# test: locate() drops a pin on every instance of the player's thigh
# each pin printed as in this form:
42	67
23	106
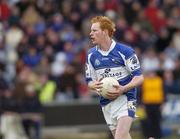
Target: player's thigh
123	127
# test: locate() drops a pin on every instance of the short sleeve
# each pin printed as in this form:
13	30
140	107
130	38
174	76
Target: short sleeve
89	69
133	65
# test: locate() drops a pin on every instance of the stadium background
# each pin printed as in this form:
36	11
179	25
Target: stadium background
43	44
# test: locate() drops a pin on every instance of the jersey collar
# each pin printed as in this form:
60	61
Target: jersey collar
105	53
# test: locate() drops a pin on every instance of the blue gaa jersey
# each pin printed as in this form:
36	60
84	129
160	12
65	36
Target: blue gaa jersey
120	62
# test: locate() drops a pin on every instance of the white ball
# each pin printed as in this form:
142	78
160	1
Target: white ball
107	85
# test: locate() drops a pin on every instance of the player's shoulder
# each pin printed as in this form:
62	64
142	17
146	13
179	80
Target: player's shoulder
124	49
92	50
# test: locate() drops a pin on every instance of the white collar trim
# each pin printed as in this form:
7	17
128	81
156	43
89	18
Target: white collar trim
105	53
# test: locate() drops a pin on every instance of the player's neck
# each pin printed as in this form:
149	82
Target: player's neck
106	44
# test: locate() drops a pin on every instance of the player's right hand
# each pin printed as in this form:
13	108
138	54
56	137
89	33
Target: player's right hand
95	86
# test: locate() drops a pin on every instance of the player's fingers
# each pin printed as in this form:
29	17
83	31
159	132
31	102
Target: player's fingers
99	83
99	80
98	91
99	87
116	86
112	94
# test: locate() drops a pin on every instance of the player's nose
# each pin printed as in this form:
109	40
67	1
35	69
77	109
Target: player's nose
90	34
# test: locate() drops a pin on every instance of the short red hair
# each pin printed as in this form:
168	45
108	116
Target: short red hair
105	23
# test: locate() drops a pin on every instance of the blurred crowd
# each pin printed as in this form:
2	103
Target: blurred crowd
43	45
44	42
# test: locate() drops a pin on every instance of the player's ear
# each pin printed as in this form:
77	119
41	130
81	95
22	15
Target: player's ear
106	32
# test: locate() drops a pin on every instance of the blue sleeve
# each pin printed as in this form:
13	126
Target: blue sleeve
89	69
132	62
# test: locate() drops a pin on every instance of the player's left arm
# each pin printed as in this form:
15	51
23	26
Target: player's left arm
133	66
94	84
135	82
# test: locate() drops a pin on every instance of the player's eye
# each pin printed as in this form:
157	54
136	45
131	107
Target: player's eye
94	30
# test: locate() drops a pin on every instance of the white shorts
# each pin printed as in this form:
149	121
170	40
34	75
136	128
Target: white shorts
118	108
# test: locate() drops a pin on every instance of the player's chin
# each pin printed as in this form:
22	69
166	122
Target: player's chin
94	42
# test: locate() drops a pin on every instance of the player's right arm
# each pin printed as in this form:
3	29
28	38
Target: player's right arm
95	86
93	83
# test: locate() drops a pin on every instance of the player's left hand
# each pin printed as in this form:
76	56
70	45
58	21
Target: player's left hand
119	89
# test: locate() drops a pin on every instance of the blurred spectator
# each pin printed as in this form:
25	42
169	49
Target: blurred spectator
168	5
67	34
22	5
169	83
84	9
40	26
131	9
57	22
150	60
43	66
100	7
111	5
122	26
144	23
2	56
46	89
30	16
171	52
177	75
11	122
3	85
32	58
163	40
14	19
69	51
68	85
155	15
145	41
66	8
13	36
176	40
174	17
40	43
166	63
20	83
32	113
152	98
54	40
59	64
4	10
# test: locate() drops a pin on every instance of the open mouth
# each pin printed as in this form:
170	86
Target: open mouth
92	39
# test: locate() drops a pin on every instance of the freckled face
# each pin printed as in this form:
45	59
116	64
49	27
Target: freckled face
96	33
